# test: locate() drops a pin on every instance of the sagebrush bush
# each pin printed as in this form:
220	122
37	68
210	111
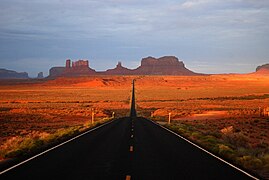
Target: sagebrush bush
225	151
250	162
237	139
23	145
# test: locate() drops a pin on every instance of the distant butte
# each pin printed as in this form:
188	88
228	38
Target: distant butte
263	69
78	68
9	74
119	70
167	65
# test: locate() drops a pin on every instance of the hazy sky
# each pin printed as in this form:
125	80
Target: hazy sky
210	36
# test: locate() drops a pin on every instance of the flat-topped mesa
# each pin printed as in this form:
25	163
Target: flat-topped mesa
118	70
167	65
78	68
55	72
9	74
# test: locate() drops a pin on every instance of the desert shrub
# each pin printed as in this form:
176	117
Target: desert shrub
250	162
265	160
237	139
65	132
23	145
195	135
213	133
225	151
241	151
20	145
210	140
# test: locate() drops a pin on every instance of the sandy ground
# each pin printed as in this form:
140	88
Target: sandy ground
46	105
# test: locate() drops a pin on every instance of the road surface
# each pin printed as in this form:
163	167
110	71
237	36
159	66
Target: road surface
127	147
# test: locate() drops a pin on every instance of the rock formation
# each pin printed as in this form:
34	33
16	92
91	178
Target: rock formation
40	75
56	72
263	68
118	70
9	74
78	68
167	65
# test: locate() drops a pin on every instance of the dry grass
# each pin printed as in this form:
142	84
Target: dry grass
32	142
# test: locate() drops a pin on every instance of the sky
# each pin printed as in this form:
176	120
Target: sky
209	36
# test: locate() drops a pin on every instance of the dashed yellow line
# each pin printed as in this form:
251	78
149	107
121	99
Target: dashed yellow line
132	136
131	148
128	177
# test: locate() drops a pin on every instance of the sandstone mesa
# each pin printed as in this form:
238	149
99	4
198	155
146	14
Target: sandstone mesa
167	65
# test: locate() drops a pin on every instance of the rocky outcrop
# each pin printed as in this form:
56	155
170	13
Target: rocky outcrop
264	67
262	70
9	74
78	68
40	75
56	72
72	69
167	65
119	70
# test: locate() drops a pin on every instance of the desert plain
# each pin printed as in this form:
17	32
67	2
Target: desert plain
219	106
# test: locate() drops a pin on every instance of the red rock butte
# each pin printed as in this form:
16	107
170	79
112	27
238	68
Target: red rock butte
263	69
78	68
167	65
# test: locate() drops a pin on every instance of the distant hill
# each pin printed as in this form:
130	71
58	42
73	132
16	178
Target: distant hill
263	69
167	65
9	74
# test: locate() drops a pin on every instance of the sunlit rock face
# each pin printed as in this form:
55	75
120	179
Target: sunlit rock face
263	68
78	68
167	65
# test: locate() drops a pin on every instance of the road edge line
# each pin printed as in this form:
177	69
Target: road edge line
206	151
54	147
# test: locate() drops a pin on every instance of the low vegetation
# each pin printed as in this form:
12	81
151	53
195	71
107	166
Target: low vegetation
18	146
229	143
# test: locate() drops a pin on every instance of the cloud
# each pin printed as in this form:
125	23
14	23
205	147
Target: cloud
197	3
107	30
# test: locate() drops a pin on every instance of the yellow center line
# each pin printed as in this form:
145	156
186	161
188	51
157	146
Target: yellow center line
128	177
131	148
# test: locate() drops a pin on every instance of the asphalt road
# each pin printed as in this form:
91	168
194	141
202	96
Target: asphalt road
133	147
159	154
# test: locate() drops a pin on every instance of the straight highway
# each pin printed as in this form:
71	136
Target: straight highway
126	148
